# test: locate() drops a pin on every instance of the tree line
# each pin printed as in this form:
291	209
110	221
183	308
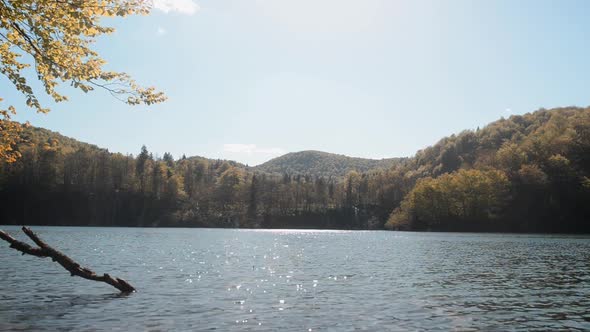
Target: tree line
59	181
526	173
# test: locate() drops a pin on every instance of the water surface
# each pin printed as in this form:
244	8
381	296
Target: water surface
294	280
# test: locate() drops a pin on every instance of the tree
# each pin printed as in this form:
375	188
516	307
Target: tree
9	135
449	159
532	175
352	183
510	157
467	196
57	38
168	159
253	199
158	179
140	167
228	185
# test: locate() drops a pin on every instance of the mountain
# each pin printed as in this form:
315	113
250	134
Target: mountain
323	164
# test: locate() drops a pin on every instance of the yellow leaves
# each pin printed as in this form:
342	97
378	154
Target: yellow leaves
9	136
58	35
558	161
532	175
465	194
51	145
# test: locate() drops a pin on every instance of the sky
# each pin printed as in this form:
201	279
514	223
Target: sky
249	80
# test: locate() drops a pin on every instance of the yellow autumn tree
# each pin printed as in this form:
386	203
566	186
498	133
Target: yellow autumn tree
53	39
463	196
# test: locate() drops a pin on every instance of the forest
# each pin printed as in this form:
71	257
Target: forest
323	164
526	173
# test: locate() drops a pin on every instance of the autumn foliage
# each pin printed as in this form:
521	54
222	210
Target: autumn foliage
53	39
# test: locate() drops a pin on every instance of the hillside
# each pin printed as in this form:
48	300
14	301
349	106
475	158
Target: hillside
526	173
323	164
314	163
529	172
40	136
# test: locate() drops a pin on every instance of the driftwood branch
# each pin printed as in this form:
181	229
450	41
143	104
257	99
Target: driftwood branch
44	250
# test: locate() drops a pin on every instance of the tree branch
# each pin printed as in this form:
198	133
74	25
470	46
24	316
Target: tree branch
67	263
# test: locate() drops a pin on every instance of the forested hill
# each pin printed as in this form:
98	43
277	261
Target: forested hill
529	172
526	173
317	163
311	163
40	137
35	136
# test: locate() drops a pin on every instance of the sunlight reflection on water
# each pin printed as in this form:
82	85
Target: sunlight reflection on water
297	280
298	231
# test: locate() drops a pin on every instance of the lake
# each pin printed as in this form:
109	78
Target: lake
299	280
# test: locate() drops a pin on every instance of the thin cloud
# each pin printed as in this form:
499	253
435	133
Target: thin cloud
251	149
187	7
161	31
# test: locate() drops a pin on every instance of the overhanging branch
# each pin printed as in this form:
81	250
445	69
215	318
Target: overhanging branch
44	250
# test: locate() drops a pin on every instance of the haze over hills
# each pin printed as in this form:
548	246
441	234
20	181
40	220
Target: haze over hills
324	164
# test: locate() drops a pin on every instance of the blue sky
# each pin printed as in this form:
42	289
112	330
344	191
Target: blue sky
249	80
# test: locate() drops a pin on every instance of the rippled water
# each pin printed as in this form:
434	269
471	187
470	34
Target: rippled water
241	280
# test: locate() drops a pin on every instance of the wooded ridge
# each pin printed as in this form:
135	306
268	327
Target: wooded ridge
529	173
